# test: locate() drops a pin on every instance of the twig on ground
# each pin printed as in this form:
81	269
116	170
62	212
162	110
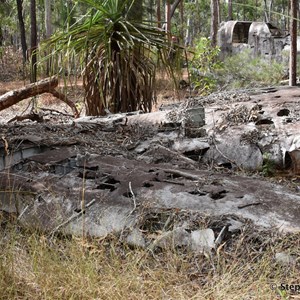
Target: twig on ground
132	211
178	156
182	174
173	182
23	212
249	204
55	111
73	217
221	236
132	197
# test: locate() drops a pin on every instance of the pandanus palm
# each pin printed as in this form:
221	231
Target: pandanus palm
118	51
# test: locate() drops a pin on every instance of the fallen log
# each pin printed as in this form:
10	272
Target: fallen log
15	96
47	85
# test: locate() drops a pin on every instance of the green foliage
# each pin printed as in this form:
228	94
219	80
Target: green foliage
244	71
116	51
203	66
199	11
268	167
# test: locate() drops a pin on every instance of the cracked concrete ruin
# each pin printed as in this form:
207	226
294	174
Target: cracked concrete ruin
262	39
113	174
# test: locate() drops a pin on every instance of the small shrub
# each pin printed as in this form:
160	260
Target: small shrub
203	66
244	71
268	167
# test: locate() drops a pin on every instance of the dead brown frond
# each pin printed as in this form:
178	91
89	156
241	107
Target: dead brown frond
125	84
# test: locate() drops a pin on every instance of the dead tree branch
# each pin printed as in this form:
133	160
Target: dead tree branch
65	99
30	90
47	85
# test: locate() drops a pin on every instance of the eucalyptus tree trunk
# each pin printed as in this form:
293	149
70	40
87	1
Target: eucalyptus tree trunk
22	29
214	22
174	6
188	35
189	27
181	19
293	52
48	23
270	10
285	19
158	14
266	16
48	29
169	11
168	16
230	15
219	12
33	41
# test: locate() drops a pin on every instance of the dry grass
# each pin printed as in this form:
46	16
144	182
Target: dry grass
33	266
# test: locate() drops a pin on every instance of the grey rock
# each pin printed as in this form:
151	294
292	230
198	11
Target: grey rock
176	238
142	147
247	157
202	240
187	145
285	259
136	239
235	226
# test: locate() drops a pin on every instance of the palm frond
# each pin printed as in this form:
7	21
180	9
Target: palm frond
119	73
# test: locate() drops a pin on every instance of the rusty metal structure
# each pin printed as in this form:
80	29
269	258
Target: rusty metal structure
263	39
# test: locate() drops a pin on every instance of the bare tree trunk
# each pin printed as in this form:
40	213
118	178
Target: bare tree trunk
266	17
214	22
230	16
33	39
158	13
270	10
283	14
48	29
181	20
48	22
168	16
187	39
173	7
22	29
293	52
256	10
219	12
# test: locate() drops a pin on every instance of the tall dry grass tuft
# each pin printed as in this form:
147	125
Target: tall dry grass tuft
33	266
